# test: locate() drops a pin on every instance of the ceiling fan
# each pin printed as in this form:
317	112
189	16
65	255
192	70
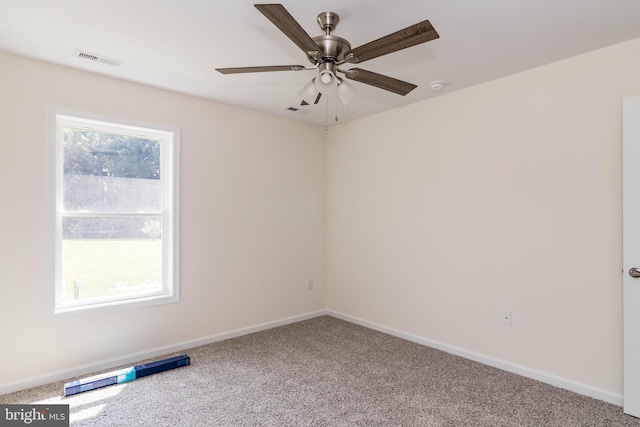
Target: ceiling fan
328	52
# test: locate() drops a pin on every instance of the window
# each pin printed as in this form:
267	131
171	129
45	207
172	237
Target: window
115	226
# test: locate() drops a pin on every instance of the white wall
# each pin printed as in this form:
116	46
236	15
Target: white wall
438	215
506	195
252	220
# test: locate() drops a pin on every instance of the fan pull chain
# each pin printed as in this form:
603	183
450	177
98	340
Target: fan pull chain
326	127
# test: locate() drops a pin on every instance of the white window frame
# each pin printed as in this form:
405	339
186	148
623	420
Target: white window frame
169	210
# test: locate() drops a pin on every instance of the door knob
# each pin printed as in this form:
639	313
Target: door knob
634	272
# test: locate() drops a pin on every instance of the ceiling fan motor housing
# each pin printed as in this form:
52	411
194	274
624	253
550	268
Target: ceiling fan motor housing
332	48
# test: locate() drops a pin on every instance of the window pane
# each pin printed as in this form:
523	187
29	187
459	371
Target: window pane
105	172
111	257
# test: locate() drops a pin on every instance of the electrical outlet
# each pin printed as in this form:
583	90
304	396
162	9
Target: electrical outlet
506	317
310	285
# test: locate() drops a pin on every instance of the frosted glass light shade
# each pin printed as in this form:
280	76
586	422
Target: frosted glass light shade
346	92
309	92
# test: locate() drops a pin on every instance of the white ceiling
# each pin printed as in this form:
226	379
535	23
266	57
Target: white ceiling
176	44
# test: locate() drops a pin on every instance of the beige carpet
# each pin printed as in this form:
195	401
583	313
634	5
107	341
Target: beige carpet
328	372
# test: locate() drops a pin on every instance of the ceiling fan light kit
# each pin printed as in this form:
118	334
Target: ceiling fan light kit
326	77
328	52
327	81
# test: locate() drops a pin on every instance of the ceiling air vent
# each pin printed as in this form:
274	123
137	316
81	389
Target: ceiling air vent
298	110
97	58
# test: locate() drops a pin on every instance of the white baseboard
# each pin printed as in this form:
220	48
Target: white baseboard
544	377
147	354
554	380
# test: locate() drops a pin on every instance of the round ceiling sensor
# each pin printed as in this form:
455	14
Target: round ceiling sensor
437	84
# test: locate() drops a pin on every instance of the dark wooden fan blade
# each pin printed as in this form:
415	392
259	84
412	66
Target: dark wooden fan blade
421	32
380	81
238	70
282	19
